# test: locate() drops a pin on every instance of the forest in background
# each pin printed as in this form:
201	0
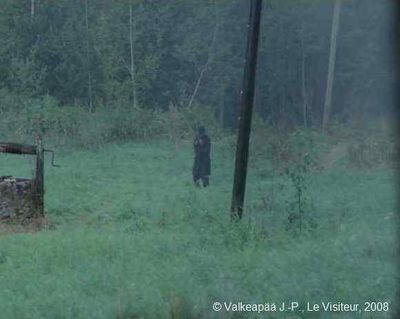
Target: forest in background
152	56
116	87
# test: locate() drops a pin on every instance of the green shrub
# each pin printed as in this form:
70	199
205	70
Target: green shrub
366	150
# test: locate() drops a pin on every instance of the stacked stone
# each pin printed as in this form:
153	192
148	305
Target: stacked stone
16	200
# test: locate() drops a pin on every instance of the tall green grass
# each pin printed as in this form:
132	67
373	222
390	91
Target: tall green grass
65	126
130	236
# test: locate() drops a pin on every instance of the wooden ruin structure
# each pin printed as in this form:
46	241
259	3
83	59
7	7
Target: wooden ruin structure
22	199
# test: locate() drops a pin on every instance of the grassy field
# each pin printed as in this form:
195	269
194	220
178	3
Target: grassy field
130	237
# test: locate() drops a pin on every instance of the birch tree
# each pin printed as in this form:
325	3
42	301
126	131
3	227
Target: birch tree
205	66
303	78
331	67
88	60
32	9
132	66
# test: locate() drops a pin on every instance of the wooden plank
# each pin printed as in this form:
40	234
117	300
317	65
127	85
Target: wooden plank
17	148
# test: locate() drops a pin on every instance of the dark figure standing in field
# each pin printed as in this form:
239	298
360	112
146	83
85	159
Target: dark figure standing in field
202	162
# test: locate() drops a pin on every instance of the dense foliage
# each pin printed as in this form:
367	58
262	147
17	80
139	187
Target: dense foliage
117	87
151	54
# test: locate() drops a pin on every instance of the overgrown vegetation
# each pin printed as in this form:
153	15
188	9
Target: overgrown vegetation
78	126
129	236
117	89
123	54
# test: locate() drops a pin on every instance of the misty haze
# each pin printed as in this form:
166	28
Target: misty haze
199	159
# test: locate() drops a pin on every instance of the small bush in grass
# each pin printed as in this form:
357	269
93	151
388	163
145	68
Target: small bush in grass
300	206
372	150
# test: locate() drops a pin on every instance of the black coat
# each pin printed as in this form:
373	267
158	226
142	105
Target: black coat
202	161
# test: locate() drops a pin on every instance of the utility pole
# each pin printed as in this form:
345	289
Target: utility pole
246	108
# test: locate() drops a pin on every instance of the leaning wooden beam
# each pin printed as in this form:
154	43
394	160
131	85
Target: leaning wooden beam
16	148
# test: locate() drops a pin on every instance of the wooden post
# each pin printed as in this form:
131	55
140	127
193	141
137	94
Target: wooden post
247	97
38	191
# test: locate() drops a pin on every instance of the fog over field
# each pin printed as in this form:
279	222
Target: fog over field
199	159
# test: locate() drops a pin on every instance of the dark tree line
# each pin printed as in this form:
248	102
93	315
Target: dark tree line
150	54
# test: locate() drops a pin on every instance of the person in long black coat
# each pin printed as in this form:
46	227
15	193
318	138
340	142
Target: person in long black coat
202	160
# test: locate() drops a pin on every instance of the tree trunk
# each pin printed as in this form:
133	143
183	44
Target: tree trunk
87	57
331	68
132	69
222	110
32	9
303	79
207	62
